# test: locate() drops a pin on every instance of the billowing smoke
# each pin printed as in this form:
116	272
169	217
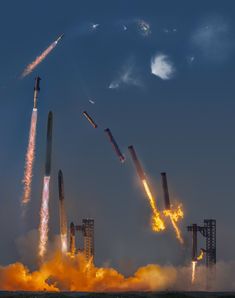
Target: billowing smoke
162	67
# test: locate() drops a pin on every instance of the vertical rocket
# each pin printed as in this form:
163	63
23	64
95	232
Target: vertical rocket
36	90
72	246
63	220
165	191
194	229
49	145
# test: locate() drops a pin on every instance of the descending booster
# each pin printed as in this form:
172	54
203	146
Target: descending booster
115	145
49	145
63	221
136	161
88	117
36	90
165	191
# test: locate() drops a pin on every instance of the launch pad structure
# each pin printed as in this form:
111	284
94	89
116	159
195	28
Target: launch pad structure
87	230
208	230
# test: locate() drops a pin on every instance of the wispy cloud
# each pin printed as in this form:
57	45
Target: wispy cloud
127	76
162	67
212	38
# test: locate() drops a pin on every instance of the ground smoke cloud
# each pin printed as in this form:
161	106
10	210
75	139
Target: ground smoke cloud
162	67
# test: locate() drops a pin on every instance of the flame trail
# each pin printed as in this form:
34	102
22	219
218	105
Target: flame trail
200	257
194	263
174	216
40	58
29	159
157	222
44	217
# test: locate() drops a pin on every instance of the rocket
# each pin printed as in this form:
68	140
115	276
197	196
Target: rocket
59	38
165	191
36	90
49	145
115	145
136	162
194	229
88	117
63	220
72	246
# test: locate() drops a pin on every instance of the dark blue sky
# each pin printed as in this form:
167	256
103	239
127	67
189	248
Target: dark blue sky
183	125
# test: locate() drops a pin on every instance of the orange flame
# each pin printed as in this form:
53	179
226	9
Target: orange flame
157	222
200	257
29	159
63	273
175	216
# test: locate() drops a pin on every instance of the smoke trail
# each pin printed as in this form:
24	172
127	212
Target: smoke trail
44	217
29	159
40	58
157	222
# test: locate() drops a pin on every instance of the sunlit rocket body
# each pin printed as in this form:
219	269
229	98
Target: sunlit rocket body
165	191
36	90
89	118
59	38
63	220
44	213
115	145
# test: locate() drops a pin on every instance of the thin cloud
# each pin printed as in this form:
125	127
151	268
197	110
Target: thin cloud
212	39
162	67
127	76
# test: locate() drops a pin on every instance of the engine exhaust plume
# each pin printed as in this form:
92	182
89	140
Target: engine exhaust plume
157	223
30	155
44	213
115	145
174	215
63	221
40	58
88	117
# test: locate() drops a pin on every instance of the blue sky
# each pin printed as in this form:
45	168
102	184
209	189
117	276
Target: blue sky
173	99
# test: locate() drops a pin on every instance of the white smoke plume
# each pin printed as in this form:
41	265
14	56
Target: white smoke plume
162	67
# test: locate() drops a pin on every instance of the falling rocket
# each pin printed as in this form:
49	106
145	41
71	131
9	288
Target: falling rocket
165	191
136	162
44	213
89	118
114	144
63	221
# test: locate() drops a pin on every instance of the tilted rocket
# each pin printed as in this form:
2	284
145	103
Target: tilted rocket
136	161
115	145
165	191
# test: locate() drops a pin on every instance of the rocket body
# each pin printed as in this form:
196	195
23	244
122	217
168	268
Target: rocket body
63	220
165	191
36	90
88	117
136	162
115	145
49	144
